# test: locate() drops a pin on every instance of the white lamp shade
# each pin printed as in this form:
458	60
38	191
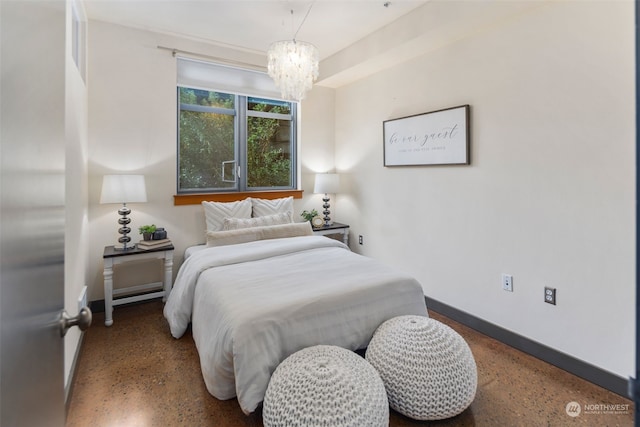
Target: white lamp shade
327	183
123	189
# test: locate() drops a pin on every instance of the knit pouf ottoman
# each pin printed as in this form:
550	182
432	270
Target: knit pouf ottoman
427	368
325	386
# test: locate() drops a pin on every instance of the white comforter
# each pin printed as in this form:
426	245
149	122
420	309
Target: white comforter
251	305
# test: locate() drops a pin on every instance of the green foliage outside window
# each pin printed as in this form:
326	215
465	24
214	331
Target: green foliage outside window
267	164
207	139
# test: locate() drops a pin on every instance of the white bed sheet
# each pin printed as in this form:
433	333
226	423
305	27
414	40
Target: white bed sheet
193	249
251	305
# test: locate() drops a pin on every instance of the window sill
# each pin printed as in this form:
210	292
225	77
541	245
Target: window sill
196	199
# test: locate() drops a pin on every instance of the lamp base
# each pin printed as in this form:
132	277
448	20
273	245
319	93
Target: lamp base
326	211
124	221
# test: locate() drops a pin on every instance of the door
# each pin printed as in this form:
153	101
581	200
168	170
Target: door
32	153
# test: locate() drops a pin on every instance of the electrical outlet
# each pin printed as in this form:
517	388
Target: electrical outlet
507	282
360	239
550	295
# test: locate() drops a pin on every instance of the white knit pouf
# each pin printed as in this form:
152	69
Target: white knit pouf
325	386
427	368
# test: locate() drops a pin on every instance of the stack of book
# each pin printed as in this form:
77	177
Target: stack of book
153	244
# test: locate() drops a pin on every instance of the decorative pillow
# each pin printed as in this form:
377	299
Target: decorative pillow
264	207
244	235
260	221
216	212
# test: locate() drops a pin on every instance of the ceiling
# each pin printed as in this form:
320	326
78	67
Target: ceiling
252	25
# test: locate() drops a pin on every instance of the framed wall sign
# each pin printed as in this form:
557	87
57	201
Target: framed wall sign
435	138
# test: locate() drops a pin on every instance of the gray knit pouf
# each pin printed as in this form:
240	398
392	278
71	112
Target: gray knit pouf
325	386
427	368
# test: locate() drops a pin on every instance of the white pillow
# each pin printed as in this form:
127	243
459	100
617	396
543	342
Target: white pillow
260	221
245	235
216	212
264	207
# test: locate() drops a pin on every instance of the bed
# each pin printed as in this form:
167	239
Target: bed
254	301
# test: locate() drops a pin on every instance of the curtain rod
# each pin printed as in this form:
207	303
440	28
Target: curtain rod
226	61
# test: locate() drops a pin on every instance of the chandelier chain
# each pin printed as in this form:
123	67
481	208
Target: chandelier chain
303	20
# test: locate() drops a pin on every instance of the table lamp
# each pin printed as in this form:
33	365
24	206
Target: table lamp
123	189
327	183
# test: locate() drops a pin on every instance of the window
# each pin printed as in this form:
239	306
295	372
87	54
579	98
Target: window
231	142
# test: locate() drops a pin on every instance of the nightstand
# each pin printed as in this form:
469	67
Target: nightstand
335	228
113	257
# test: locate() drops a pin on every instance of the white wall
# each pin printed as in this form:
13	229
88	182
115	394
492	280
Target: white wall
132	128
549	196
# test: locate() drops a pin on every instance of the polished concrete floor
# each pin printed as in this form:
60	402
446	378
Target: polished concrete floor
135	374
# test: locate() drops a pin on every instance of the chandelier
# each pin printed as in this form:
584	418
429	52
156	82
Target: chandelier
293	65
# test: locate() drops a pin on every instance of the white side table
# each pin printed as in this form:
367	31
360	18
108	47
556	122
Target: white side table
113	257
335	228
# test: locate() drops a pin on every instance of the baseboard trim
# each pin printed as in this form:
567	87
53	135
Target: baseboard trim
563	361
97	306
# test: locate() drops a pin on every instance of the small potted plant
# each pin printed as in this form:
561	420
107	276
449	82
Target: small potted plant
147	231
309	215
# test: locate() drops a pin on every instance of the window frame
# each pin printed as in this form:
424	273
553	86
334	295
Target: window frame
241	115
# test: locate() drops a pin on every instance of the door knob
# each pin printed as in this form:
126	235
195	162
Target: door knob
82	320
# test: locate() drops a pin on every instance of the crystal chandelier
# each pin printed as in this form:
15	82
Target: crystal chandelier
293	66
